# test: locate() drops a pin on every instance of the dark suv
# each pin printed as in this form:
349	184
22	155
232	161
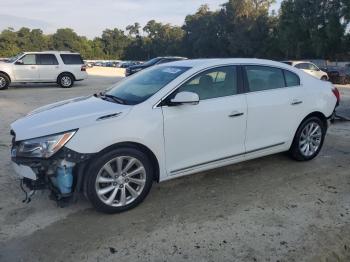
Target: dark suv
155	61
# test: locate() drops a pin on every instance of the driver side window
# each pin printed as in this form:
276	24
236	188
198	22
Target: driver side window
29	59
214	83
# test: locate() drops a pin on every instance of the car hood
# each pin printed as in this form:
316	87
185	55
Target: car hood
66	115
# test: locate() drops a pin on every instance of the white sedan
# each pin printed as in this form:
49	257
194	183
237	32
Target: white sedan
309	68
169	121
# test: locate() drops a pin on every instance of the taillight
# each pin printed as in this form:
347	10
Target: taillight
337	94
83	68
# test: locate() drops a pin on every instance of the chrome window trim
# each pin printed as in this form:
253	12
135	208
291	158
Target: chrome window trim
157	104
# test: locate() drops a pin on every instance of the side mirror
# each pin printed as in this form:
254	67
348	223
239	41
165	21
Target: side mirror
188	98
19	62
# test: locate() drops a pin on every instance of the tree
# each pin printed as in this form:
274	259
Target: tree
247	27
204	34
311	29
8	43
114	42
65	39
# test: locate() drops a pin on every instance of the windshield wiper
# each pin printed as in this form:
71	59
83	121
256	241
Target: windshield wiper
114	98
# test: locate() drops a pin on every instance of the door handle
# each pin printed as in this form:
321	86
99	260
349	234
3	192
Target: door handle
33	67
236	114
296	102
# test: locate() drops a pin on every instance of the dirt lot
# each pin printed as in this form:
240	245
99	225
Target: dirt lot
270	209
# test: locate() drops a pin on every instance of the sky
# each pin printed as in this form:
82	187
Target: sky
91	17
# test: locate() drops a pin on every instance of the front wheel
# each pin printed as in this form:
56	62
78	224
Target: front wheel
4	81
308	139
119	180
65	80
324	78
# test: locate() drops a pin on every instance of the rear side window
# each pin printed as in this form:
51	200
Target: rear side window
70	59
262	78
291	78
46	59
305	66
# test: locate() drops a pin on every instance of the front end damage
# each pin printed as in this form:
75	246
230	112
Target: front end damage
60	173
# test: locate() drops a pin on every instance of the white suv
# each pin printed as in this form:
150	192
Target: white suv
62	68
169	121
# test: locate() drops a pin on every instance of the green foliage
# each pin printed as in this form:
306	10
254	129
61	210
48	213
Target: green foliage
312	28
240	28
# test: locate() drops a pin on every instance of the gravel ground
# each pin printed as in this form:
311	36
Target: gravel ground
269	209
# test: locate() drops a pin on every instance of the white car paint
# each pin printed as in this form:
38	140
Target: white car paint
186	139
41	73
309	68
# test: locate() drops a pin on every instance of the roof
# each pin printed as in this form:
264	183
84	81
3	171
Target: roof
52	52
294	62
203	63
171	57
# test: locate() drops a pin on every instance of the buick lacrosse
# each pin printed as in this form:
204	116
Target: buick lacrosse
170	121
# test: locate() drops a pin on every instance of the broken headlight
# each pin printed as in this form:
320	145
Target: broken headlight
43	147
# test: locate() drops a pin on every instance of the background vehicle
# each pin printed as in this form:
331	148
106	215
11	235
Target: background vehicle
309	68
155	61
172	120
62	68
338	75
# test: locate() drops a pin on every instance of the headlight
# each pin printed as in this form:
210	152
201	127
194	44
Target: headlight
43	147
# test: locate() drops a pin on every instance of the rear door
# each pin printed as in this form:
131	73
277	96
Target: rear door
275	107
26	69
48	67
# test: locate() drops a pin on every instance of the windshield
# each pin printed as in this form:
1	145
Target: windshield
143	85
14	58
152	61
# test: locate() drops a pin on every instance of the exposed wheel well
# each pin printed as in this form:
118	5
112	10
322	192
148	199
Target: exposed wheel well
313	114
65	73
319	115
140	147
2	72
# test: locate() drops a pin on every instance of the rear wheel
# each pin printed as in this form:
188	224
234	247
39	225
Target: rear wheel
65	80
119	180
4	81
324	78
308	140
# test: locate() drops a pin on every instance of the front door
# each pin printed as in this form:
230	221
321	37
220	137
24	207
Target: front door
26	69
211	131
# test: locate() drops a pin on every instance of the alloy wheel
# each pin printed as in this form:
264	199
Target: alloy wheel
120	181
66	81
2	82
310	139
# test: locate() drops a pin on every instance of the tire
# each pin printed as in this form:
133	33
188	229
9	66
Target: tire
306	138
324	78
65	80
106	184
4	81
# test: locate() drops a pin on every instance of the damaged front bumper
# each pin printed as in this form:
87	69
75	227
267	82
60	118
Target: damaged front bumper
61	173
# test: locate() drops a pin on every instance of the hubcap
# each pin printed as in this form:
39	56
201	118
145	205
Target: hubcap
310	139
2	82
66	81
120	181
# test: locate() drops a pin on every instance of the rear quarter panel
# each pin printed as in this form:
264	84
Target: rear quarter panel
318	95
